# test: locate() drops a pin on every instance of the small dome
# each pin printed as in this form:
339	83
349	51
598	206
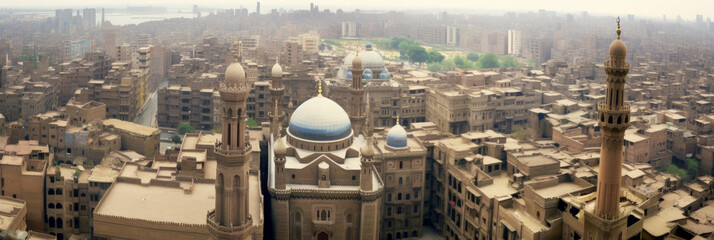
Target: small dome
320	119
357	62
277	70
279	148
235	75
367	74
618	49
397	137
384	75
349	75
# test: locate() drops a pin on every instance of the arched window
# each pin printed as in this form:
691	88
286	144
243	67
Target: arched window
59	206
51	192
401	164
236	181
51	222
399	235
400	181
59	222
51	205
298	226
389	236
414	234
324	178
323	215
348	218
229	132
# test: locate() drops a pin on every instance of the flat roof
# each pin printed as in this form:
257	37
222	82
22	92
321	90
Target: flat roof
9	209
558	190
132	127
159	203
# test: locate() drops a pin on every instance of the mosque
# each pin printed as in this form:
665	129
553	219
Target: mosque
328	175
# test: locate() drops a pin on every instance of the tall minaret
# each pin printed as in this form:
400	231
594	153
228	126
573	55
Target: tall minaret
276	92
356	92
608	219
230	219
367	160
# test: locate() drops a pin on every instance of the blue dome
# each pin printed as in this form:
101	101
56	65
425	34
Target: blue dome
367	74
320	119
384	74
397	137
349	75
369	45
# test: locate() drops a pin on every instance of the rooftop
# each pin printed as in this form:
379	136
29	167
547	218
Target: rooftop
159	203
132	127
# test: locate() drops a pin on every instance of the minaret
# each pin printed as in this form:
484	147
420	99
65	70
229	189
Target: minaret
276	92
230	219
367	161
356	92
608	219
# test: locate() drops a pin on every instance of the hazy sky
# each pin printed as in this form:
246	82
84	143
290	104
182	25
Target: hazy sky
643	8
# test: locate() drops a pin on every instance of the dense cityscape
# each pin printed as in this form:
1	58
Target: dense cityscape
151	122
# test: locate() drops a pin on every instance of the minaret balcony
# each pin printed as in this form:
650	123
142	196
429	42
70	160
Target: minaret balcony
602	106
218	229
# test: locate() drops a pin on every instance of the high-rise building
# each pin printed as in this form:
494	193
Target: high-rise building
514	42
453	35
257	8
609	220
349	30
89	18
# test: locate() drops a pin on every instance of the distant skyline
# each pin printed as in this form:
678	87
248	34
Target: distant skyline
687	9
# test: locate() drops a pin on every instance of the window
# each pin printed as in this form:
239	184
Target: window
400	181
401	165
389	197
389	211
399	210
399	196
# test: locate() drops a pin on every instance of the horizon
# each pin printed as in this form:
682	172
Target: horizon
561	7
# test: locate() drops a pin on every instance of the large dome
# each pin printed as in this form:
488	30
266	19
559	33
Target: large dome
320	119
370	59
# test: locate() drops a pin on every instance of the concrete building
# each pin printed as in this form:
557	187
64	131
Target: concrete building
23	168
198	107
13	214
514	42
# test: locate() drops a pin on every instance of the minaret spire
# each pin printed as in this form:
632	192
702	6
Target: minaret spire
608	220
357	93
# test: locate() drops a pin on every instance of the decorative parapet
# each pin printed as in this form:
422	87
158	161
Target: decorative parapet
232	230
148	223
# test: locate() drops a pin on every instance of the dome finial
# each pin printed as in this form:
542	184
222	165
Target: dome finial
398	120
319	88
618	28
235	49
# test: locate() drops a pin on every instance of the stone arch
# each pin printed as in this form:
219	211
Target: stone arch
297	225
322	236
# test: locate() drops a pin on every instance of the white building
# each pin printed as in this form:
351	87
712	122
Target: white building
514	42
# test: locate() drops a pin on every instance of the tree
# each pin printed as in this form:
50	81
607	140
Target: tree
251	122
176	139
692	166
459	61
489	61
434	56
417	54
508	61
472	57
184	128
673	169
